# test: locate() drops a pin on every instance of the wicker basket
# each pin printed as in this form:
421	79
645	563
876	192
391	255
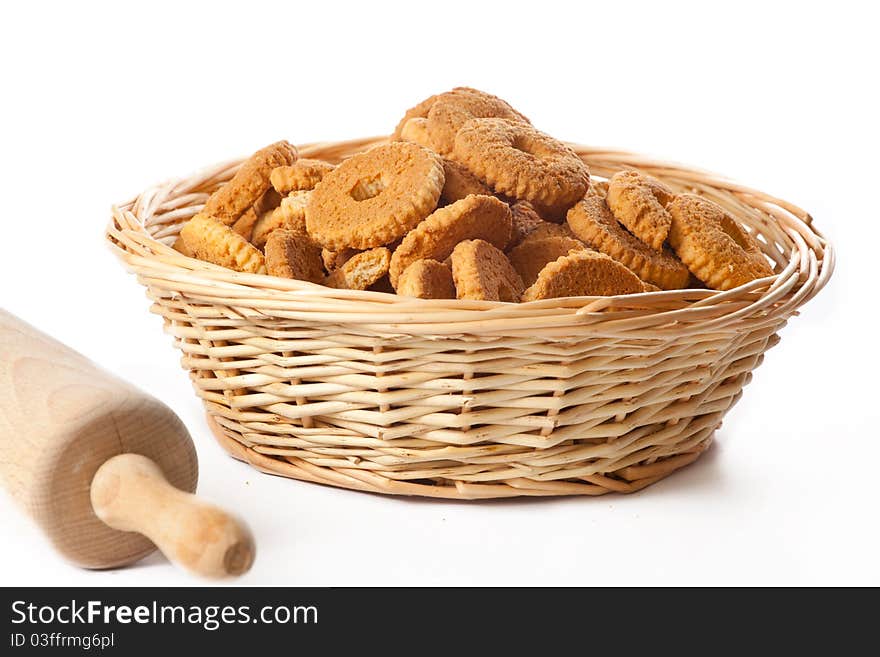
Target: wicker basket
466	399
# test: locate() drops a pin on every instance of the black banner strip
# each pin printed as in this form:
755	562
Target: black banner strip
146	620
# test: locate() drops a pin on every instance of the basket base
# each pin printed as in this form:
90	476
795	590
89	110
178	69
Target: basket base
627	480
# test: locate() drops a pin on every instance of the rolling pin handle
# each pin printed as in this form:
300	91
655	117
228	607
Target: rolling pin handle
129	492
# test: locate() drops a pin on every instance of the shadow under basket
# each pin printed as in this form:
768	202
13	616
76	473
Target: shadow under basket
468	399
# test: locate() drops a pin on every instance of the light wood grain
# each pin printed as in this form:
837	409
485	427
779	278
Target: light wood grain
61	419
130	493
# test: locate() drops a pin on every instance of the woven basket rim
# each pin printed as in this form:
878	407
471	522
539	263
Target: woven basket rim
805	270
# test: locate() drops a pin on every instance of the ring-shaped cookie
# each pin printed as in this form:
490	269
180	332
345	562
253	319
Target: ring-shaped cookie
209	239
375	197
713	245
249	183
639	202
592	221
453	109
460	183
524	163
419	111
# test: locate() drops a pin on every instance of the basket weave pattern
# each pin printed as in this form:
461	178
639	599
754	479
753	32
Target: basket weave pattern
467	399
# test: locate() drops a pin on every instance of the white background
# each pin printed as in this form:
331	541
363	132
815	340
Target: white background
100	101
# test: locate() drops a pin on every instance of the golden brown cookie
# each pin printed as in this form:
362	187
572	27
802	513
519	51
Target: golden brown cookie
335	259
517	160
362	271
460	183
524	219
290	215
212	241
304	174
293	255
482	217
530	257
599	187
484	273
181	247
426	279
591	220
713	245
546	229
416	131
581	274
375	197
452	110
244	225
249	183
639	202
419	111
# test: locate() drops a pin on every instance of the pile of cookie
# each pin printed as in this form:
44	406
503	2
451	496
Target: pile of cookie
468	200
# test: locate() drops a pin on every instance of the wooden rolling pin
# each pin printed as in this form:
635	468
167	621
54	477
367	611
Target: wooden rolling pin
104	469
